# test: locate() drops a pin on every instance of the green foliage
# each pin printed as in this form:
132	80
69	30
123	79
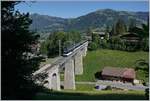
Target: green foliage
17	69
92	46
108	88
85	87
97	60
91	95
98	19
147	93
145	45
143	66
95	38
113	31
120	27
132	24
117	43
74	36
89	31
143	33
43	48
51	45
103	43
107	31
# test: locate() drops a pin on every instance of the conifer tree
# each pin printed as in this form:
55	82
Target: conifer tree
120	27
17	69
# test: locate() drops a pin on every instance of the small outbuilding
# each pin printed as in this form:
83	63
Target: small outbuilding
118	74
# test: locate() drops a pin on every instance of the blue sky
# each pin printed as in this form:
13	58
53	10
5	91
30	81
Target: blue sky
71	9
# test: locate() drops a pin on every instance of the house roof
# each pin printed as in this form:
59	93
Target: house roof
100	33
119	72
129	35
129	73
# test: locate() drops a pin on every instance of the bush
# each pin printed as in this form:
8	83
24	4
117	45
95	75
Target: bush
147	93
108	88
104	43
119	44
116	43
145	45
98	75
92	46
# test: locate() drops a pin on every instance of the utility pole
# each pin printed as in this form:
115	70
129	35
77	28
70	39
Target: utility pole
73	44
59	47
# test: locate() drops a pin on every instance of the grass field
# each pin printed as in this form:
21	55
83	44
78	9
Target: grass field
97	60
91	95
84	87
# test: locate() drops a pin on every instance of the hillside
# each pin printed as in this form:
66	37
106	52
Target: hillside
47	23
98	19
102	18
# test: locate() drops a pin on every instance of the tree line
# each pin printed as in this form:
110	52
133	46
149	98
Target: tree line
59	40
116	42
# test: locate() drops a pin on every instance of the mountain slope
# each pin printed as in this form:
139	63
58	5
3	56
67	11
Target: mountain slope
45	23
98	19
101	18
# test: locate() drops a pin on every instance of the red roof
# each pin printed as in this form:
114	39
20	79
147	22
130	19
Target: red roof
129	73
119	72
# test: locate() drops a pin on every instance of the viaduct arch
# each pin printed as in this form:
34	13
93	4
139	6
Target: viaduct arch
72	64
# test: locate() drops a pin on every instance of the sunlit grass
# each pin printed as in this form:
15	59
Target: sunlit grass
96	60
91	95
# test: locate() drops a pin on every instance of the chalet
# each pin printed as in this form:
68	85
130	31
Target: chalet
130	37
118	74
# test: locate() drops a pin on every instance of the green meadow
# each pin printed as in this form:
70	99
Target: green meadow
93	62
96	60
91	95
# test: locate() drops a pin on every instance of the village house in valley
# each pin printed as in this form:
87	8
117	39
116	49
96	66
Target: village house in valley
118	74
130	37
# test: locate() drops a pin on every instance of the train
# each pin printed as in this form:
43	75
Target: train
69	50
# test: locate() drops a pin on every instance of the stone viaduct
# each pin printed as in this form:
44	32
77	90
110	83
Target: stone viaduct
72	66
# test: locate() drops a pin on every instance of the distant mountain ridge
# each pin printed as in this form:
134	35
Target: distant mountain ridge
44	22
98	19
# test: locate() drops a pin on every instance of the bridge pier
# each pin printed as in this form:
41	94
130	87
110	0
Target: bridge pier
85	50
78	63
69	79
73	65
53	80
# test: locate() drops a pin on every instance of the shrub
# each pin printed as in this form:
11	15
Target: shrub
104	43
145	45
108	88
98	75
147	93
118	44
92	46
